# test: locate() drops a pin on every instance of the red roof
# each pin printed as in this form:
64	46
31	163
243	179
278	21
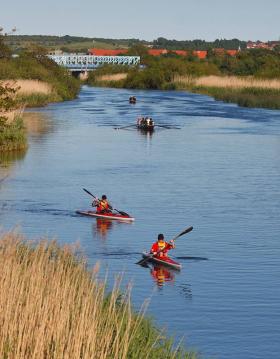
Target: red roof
201	54
232	52
107	52
157	52
180	52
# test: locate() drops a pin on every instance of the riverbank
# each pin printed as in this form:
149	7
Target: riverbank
29	80
65	310
244	91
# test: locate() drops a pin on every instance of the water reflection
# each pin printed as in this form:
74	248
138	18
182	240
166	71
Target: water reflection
161	274
7	161
101	228
38	123
145	133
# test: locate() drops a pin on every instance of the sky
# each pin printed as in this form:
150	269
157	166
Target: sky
145	19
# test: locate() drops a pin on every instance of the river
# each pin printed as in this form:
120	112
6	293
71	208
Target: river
219	173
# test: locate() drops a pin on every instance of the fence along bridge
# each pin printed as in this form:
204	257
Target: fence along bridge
82	63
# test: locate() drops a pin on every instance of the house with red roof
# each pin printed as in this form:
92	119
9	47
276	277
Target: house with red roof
107	52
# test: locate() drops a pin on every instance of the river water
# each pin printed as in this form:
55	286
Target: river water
219	173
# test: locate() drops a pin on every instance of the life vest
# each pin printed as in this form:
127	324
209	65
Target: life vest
161	247
103	205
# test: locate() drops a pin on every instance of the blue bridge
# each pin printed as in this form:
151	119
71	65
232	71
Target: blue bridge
82	63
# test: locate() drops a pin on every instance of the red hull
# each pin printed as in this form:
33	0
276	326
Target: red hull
106	215
167	261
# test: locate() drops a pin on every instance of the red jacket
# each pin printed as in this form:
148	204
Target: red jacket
161	251
103	206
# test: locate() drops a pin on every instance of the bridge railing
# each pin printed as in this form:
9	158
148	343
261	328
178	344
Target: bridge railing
89	62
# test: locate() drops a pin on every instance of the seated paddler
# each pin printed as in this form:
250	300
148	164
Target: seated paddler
160	248
102	205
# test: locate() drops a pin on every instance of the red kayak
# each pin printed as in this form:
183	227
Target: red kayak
106	215
166	261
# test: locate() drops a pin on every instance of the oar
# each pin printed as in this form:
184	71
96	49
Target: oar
187	230
169	127
120	212
120	128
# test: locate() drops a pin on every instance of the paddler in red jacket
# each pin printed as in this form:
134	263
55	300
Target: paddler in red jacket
102	205
160	248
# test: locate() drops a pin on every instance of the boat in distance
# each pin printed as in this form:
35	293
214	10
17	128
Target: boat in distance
145	123
116	216
165	261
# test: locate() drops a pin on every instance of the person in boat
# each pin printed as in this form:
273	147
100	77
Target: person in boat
102	205
160	248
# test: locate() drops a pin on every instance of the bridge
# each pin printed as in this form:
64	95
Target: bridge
81	63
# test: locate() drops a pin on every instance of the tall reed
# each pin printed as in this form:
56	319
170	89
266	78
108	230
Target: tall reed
53	307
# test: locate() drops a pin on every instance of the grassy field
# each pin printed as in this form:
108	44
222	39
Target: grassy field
53	307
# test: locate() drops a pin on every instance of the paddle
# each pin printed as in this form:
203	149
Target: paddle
120	128
187	230
120	212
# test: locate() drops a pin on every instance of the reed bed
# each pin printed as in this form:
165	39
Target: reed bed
13	136
229	82
113	77
27	87
245	91
53	307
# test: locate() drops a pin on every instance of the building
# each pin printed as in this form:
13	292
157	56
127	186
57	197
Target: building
107	52
262	45
201	54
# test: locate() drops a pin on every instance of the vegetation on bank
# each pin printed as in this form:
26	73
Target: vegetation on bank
12	132
32	64
53	307
163	72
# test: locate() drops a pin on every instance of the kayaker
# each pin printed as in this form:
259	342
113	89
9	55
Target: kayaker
102	205
160	248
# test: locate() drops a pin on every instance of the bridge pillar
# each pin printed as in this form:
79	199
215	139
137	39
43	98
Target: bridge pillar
83	75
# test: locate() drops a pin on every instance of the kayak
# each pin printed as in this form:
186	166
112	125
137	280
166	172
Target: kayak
106	215
167	261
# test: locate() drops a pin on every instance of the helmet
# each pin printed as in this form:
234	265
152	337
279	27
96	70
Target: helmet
104	196
160	237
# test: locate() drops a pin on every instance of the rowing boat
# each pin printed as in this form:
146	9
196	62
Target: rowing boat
106	215
166	261
145	123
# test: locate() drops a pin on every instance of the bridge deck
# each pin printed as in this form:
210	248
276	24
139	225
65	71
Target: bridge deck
90	62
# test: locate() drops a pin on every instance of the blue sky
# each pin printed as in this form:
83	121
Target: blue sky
145	19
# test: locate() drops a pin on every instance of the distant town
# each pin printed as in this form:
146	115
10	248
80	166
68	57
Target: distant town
201	54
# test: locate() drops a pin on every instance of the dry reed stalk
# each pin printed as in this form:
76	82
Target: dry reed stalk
28	87
12	115
229	82
113	77
51	307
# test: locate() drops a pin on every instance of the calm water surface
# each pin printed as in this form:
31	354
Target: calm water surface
220	173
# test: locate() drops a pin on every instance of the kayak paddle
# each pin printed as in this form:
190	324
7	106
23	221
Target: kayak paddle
120	212
187	230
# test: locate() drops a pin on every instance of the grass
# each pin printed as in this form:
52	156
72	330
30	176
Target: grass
52	306
13	136
229	82
245	91
46	81
245	97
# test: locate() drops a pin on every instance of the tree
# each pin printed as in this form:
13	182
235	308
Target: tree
7	101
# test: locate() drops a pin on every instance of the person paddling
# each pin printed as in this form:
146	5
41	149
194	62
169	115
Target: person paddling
102	205
160	248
